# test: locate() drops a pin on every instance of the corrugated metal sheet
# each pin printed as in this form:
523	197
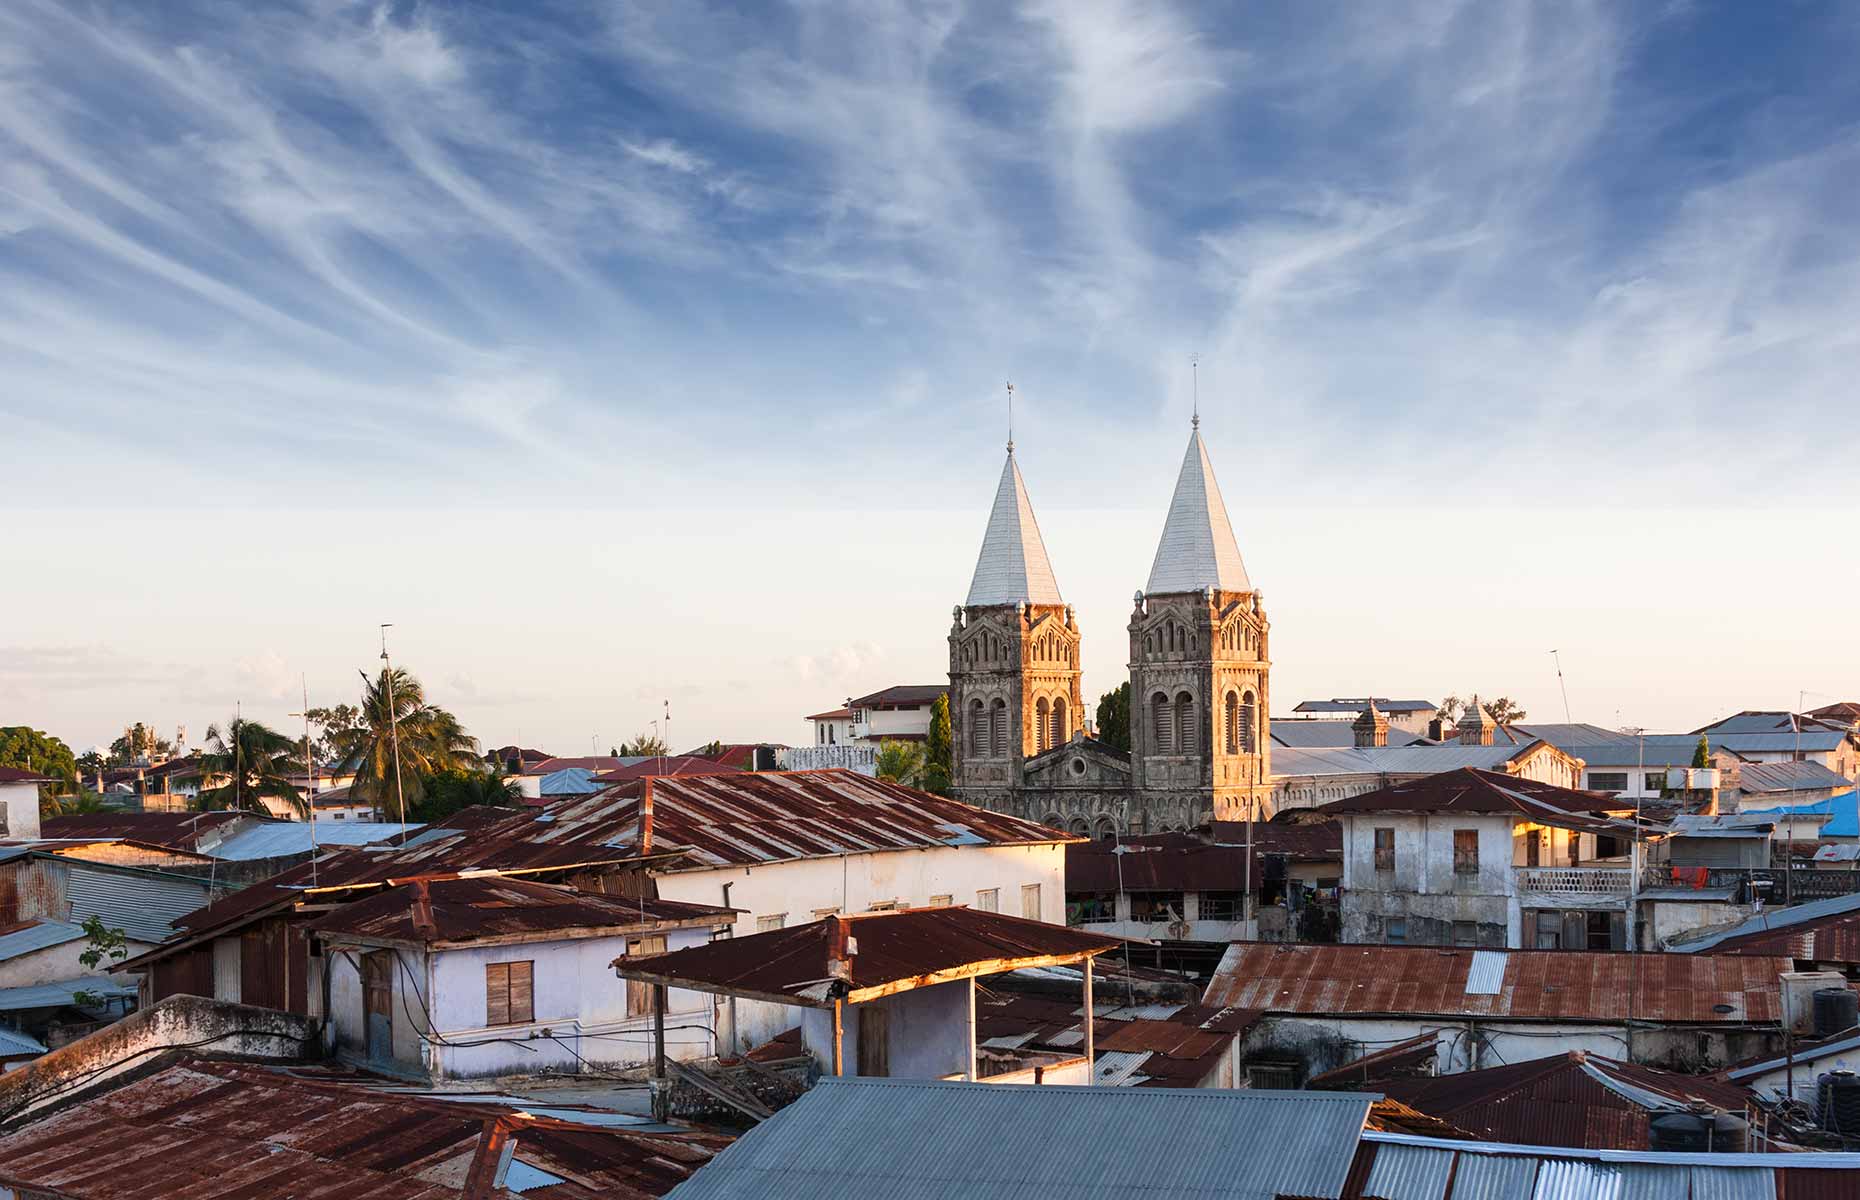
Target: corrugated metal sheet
1115	1067
1735	1183
1486	974
1491	1177
1657	1182
56	995
13	1044
1569	1179
1409	1173
40	935
143	904
282	839
963	1141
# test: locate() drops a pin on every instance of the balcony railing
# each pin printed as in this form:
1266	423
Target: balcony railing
1575	880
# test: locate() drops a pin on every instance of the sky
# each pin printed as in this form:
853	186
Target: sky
627	356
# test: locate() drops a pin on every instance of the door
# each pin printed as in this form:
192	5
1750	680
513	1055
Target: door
378	1004
874	1040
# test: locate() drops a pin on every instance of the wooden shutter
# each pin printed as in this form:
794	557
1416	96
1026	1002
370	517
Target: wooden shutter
638	994
1030	901
874	1041
1575	931
1617	931
522	994
1527	923
497	993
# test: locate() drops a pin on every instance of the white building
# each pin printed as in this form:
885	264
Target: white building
486	976
19	802
1409	716
900	713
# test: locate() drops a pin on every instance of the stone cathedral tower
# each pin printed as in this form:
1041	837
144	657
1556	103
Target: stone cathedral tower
1013	656
1199	666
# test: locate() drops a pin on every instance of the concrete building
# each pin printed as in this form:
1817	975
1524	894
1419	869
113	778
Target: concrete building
1408	716
19	802
1476	858
900	713
1311	777
475	978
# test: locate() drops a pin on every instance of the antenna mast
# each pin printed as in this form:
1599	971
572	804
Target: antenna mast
1556	657
1194	369
1010	390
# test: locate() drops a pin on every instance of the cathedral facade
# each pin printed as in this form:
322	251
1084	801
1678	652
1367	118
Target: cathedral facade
1199	675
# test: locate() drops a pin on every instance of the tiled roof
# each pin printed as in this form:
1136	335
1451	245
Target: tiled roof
1563	985
866	956
1013	567
200	1130
1197	549
461	910
1568	1099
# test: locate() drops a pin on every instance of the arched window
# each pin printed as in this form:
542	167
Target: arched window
1061	734
1103	827
1249	724
1160	728
1041	728
1185	739
978	729
998	729
1230	724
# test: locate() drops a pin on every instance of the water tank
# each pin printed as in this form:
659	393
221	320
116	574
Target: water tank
1839	1102
1684	1131
1836	1009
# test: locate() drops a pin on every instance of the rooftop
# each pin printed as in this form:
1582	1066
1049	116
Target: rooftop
204	1130
1822	930
1356	704
901	695
979	1141
1418	758
680	764
1317	735
463	910
1470	790
1759	777
1569	1099
1145	1045
285	839
1197	549
21	775
864	957
1563	985
177	831
1012	567
30	937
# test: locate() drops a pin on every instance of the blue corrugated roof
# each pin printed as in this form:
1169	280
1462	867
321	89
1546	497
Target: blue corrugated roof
1846	819
13	1044
1838	807
282	839
57	995
39	935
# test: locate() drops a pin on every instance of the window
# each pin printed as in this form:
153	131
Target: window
998	729
1042	724
1600	930
1395	932
1653	781
1608	781
1249	723
1465	933
821	914
1385	849
1533	847
1607	845
1061	727
1280	1076
1549	935
978	729
1090	906
882	906
988	900
1220	906
1230	724
943	901
1155	906
1160	725
1574	842
639	995
1185	739
771	922
1465	851
1030	901
509	998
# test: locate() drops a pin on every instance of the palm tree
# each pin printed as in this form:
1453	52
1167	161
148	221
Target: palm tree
430	739
256	763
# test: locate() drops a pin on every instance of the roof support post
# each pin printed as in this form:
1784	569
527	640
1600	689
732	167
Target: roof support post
1091	1023
658	1031
973	1078
839	1034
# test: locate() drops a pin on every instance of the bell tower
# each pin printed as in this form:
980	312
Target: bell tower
1200	667
1013	657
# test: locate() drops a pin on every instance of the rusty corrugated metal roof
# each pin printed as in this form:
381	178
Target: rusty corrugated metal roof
493	906
206	1130
1569	985
867	954
174	831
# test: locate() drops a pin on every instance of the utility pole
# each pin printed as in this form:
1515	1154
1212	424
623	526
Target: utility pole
309	773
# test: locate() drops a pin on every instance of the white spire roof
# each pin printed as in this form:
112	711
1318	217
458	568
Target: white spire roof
1013	567
1197	549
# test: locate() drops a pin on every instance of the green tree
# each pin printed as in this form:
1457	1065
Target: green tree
255	763
336	726
1505	711
429	740
938	744
1114	717
646	745
30	749
1701	753
1450	709
443	793
901	762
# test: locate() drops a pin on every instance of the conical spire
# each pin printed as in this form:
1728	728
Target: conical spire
1197	549
1013	567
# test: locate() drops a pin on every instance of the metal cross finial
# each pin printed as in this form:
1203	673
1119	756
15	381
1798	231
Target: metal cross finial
1194	367
1010	388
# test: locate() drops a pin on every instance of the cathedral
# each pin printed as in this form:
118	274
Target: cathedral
1199	670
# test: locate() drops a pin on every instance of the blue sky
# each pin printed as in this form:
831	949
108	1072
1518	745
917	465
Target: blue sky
546	329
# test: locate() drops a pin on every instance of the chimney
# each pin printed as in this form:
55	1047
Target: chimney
841	946
1476	725
423	924
1371	727
643	841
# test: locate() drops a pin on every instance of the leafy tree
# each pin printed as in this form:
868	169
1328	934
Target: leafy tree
901	762
430	740
69	804
140	742
1450	708
937	746
714	747
32	750
646	745
102	943
1701	754
336	726
256	763
1505	711
1114	717
445	792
